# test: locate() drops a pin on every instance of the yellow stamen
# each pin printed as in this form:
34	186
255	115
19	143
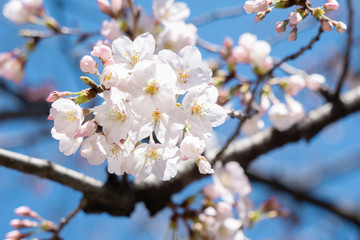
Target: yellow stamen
70	116
116	115
152	88
152	157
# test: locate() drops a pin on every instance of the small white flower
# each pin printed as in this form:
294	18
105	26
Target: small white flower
314	81
192	147
129	52
95	149
201	110
157	159
168	10
188	67
67	145
67	116
204	166
114	115
115	75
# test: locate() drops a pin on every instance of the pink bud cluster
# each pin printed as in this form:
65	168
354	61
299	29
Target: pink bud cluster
263	7
33	222
230	205
12	66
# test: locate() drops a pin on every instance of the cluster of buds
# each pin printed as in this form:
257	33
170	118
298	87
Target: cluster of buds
12	65
33	222
158	110
251	51
263	7
226	204
167	23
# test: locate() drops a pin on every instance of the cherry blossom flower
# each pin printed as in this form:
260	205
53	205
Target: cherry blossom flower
67	116
157	159
188	67
95	149
110	29
129	52
168	10
115	75
192	147
295	18
204	166
23	11
114	115
294	83
152	87
68	145
117	157
177	35
202	111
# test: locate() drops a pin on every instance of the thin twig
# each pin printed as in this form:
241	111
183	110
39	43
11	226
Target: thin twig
351	216
66	220
134	13
298	53
239	126
208	45
346	64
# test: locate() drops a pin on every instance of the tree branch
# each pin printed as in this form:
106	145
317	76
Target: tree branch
117	200
351	216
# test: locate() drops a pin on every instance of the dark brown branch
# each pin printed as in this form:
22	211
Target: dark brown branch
351	216
117	200
349	42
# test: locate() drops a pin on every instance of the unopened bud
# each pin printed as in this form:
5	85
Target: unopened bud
281	26
293	35
341	27
331	5
88	65
326	25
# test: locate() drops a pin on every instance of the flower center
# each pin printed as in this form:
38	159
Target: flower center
156	116
133	56
152	157
115	115
152	88
115	151
198	109
70	116
183	74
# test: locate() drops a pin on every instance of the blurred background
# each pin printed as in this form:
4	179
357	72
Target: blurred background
326	168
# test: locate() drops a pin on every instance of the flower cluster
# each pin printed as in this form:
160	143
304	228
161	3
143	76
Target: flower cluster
167	24
33	221
24	11
263	7
158	109
226	204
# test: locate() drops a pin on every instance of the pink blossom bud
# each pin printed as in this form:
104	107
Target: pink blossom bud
16	223
331	5
293	35
88	65
108	62
55	95
248	6
295	18
204	166
314	81
260	6
228	43
103	52
47	225
326	25
116	6
50	117
14	235
341	27
22	211
104	6
86	130
280	26
33	214
240	55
